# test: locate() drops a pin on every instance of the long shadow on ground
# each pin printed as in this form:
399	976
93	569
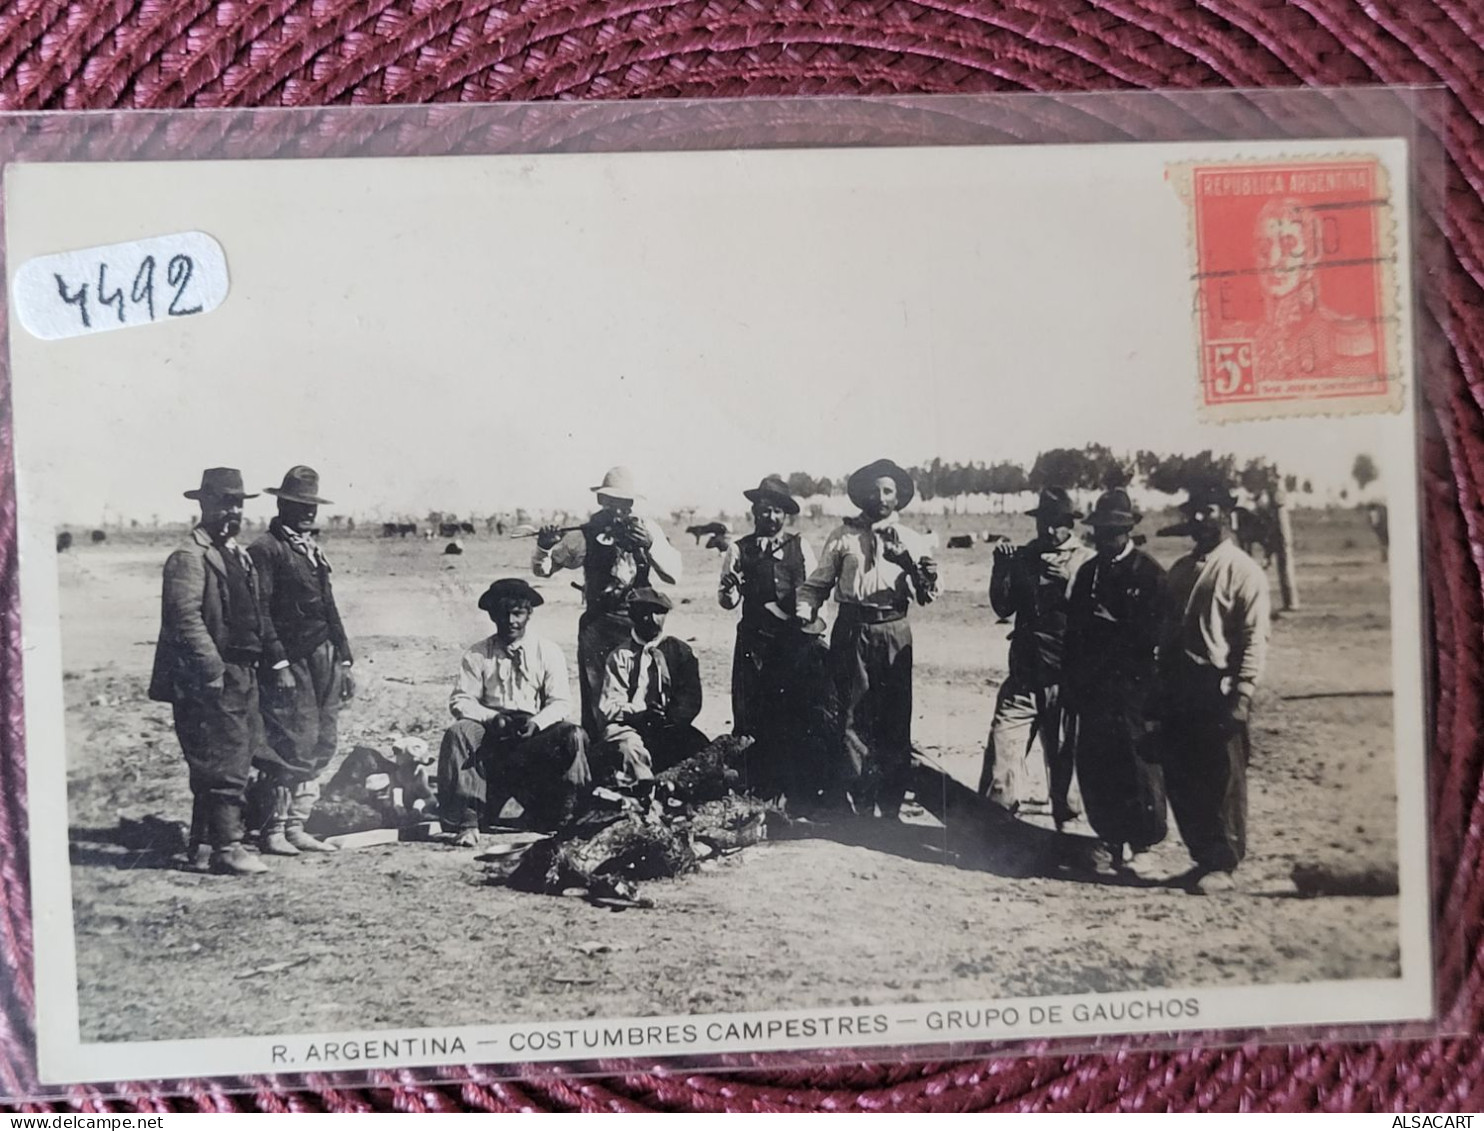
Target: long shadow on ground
151	842
975	834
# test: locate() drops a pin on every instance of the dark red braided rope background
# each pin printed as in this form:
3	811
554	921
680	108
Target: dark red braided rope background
97	54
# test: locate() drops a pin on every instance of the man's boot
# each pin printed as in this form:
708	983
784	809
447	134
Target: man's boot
275	842
301	804
198	847
224	822
235	860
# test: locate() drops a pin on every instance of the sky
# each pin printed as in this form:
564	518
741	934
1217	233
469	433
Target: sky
476	334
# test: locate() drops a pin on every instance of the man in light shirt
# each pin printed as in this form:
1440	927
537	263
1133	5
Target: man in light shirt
1211	659
651	694
511	737
875	568
617	551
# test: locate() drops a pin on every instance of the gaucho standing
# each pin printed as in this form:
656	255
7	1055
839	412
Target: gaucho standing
762	572
311	659
1211	659
1033	584
617	551
1109	683
876	568
215	636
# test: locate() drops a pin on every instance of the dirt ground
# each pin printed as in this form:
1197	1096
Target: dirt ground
408	935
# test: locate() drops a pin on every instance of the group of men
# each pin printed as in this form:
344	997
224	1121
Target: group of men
254	660
1136	684
831	725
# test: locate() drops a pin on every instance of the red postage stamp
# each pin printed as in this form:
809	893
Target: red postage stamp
1295	288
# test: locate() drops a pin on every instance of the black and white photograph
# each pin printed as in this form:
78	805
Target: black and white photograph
515	608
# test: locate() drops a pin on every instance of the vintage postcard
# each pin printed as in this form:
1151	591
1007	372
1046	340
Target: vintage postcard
573	607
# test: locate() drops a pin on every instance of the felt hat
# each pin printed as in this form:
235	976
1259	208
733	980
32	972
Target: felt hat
1055	502
774	490
510	589
219	481
618	483
815	627
1114	508
866	477
646	598
1208	495
300	485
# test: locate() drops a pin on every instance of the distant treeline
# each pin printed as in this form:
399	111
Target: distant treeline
1089	468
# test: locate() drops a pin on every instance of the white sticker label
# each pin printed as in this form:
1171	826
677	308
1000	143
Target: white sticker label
120	285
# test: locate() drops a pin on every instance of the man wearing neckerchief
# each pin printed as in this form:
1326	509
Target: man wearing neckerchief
511	737
875	568
651	694
311	662
762	572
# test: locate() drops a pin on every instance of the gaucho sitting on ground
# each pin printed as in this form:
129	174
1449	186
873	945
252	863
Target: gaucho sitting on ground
512	737
651	694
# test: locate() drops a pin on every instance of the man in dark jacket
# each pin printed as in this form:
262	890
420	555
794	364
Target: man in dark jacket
300	710
1108	684
1032	583
651	694
215	636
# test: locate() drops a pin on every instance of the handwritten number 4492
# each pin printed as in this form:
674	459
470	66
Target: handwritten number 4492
141	291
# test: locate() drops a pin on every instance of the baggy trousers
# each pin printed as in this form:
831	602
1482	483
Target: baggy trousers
477	769
1123	790
1024	713
1205	763
220	736
302	724
598	634
872	667
302	727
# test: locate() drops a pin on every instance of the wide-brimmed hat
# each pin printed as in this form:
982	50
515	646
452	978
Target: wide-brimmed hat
300	485
618	483
1055	502
1208	495
219	481
646	598
1114	508
774	490
866	476
510	589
